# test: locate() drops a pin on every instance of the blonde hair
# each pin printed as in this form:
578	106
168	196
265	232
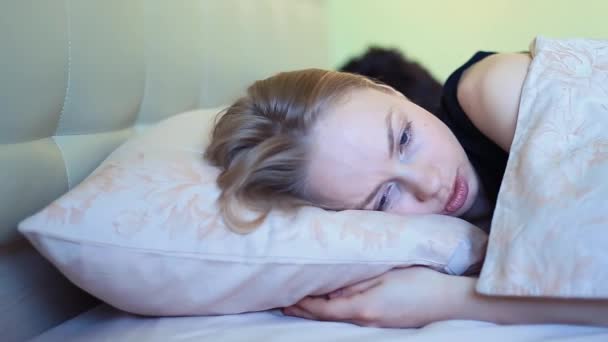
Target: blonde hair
260	141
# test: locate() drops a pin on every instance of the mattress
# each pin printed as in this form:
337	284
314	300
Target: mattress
104	323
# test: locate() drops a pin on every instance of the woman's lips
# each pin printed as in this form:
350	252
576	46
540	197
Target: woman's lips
458	197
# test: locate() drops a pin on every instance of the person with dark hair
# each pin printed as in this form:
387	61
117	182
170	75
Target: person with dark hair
392	68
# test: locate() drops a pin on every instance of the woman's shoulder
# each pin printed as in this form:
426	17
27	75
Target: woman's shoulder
489	92
473	107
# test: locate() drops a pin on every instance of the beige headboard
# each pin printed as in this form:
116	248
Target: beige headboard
79	77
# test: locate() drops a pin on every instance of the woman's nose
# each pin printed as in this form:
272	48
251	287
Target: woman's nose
422	181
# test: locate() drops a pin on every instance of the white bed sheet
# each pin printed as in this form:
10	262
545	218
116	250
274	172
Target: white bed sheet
104	323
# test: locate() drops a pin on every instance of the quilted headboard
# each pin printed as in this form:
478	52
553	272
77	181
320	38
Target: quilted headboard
78	77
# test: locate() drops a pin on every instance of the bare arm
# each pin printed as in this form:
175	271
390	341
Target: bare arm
489	92
416	296
525	310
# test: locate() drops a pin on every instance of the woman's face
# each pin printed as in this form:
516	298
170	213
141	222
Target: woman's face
379	151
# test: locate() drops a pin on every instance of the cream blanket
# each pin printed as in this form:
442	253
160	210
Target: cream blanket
549	233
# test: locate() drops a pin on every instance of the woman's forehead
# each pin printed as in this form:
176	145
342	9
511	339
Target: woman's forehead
361	122
342	178
351	138
349	147
365	103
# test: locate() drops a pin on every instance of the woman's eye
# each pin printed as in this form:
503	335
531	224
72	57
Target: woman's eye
405	139
406	135
384	200
382	203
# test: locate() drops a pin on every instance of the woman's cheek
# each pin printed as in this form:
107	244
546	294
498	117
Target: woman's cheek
406	204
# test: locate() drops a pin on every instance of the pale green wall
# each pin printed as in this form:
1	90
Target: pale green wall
442	34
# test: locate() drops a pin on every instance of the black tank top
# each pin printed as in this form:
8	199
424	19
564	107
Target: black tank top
488	159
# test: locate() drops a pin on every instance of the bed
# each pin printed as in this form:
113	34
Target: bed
106	324
78	78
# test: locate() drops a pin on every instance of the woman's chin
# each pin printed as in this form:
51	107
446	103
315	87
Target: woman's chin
478	209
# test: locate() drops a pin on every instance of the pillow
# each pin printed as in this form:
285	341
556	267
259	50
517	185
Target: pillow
143	234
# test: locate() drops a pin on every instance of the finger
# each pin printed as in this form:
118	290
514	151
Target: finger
357	288
298	312
295	311
338	309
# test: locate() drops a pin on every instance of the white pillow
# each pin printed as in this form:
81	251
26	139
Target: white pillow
143	233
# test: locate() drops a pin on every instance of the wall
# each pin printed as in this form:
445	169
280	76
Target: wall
442	34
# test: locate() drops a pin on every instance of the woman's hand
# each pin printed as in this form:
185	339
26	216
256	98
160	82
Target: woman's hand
401	298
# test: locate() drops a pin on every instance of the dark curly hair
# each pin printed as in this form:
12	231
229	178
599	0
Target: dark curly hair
391	67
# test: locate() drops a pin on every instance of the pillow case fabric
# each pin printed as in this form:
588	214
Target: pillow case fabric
143	234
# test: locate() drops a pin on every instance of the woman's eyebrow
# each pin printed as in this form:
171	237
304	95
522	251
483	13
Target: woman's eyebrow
391	148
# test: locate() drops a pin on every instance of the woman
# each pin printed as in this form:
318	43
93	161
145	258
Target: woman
340	141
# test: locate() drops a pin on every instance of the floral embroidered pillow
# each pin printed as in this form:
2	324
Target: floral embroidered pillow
143	233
